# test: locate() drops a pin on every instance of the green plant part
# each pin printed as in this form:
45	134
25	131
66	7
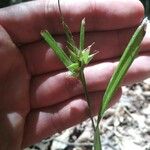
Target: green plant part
77	58
125	62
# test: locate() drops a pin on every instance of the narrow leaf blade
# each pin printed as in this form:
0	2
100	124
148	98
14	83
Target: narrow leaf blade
65	27
82	35
73	48
68	35
73	56
124	64
56	48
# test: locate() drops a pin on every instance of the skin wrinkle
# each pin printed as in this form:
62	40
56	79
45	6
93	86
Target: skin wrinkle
118	40
60	117
55	118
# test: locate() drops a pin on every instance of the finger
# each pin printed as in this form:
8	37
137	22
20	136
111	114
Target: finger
146	41
45	122
110	44
45	88
24	22
51	89
139	70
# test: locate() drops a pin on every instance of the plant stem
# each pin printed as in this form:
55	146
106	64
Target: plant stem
82	79
97	139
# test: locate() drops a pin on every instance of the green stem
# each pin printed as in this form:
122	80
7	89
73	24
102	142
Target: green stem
97	139
82	79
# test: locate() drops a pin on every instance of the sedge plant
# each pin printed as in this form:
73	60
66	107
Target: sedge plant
78	57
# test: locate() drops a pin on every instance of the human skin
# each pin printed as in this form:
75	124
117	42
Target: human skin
38	97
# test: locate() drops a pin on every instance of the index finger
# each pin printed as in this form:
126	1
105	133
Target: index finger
25	21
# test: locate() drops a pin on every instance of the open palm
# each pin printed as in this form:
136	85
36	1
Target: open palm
38	96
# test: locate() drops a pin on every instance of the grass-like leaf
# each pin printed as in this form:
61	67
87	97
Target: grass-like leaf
78	58
56	48
68	35
67	31
125	62
82	34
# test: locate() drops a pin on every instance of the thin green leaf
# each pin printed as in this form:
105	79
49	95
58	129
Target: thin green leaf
90	57
74	69
74	58
82	35
56	48
85	56
68	34
73	48
65	27
126	60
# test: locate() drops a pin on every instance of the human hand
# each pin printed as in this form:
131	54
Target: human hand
38	97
